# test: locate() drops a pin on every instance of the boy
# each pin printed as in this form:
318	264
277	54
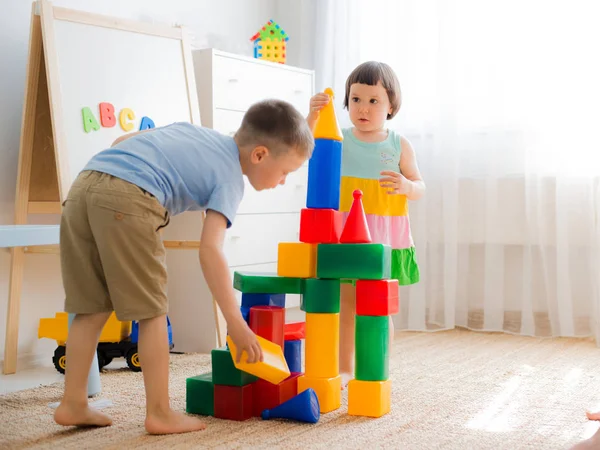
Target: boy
112	256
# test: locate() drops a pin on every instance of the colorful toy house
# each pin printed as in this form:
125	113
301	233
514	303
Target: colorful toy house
270	43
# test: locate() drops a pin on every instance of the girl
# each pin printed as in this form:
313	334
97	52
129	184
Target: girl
382	164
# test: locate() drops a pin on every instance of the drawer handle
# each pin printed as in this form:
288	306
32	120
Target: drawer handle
298	91
233	80
235	237
299	186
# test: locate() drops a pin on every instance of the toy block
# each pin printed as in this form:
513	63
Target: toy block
200	395
304	407
267	395
369	398
269	283
293	355
296	259
268	322
273	368
356	229
321	226
324	175
233	402
255	299
293	331
224	371
376	297
320	296
245	310
358	261
327	126
372	348
321	355
329	391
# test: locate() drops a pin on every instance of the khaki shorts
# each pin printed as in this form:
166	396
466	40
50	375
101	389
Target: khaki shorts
111	253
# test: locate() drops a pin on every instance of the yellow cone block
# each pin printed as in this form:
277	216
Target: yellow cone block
327	126
322	345
369	398
328	390
297	260
273	368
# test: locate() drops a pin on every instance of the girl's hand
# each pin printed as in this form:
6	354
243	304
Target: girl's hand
318	102
395	183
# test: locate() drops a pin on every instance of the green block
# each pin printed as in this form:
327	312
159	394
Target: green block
200	395
360	261
266	283
224	372
372	334
320	296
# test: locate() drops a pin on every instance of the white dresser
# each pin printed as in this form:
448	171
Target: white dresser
227	85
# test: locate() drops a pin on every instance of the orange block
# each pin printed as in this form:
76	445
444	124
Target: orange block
327	126
273	368
297	260
328	390
369	398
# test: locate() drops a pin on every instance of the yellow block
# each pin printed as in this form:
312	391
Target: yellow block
297	260
328	390
327	126
369	398
273	368
322	341
375	199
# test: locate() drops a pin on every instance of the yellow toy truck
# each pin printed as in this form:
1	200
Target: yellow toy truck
118	339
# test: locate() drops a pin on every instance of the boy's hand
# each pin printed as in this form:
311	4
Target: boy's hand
318	102
245	340
395	182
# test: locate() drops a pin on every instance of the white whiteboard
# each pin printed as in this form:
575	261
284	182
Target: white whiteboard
95	63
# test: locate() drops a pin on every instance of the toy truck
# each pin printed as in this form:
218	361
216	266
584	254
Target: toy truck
118	339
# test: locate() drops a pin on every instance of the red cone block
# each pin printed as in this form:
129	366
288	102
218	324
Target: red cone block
356	230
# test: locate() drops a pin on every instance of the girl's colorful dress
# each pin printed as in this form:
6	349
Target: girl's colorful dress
387	214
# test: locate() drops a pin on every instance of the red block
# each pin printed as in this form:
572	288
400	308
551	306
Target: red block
320	226
233	402
294	331
268	322
267	395
356	230
376	297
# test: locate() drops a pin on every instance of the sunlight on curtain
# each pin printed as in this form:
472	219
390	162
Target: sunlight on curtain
501	102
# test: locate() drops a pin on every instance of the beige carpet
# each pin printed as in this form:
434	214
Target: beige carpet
451	390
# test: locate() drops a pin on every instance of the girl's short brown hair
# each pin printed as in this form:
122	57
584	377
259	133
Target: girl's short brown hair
372	72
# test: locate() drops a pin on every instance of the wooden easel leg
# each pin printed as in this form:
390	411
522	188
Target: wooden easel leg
12	314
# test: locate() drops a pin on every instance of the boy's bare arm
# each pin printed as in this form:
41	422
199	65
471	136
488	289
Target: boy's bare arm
216	272
127	136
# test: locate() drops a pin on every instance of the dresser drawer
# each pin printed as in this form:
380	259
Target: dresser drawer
291	197
237	84
253	238
226	121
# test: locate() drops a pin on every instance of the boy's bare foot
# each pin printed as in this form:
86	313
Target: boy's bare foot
346	377
172	422
593	415
80	416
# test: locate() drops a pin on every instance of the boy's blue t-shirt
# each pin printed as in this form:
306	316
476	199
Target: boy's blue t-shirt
185	166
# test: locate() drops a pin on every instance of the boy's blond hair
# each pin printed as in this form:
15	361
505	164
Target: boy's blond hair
277	125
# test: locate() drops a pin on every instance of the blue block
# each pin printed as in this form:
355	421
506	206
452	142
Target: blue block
324	175
246	313
250	300
293	355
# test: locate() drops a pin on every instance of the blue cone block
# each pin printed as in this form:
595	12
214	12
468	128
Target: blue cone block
250	300
324	175
304	407
293	355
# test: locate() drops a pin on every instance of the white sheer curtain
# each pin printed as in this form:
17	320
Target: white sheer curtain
501	102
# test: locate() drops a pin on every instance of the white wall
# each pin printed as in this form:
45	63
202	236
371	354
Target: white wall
226	25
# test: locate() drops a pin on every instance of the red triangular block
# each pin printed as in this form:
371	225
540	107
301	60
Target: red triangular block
356	230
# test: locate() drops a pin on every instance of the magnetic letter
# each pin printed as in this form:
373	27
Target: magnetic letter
107	114
146	123
126	113
89	121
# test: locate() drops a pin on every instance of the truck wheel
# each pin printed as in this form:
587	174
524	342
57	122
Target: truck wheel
133	360
102	359
59	359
